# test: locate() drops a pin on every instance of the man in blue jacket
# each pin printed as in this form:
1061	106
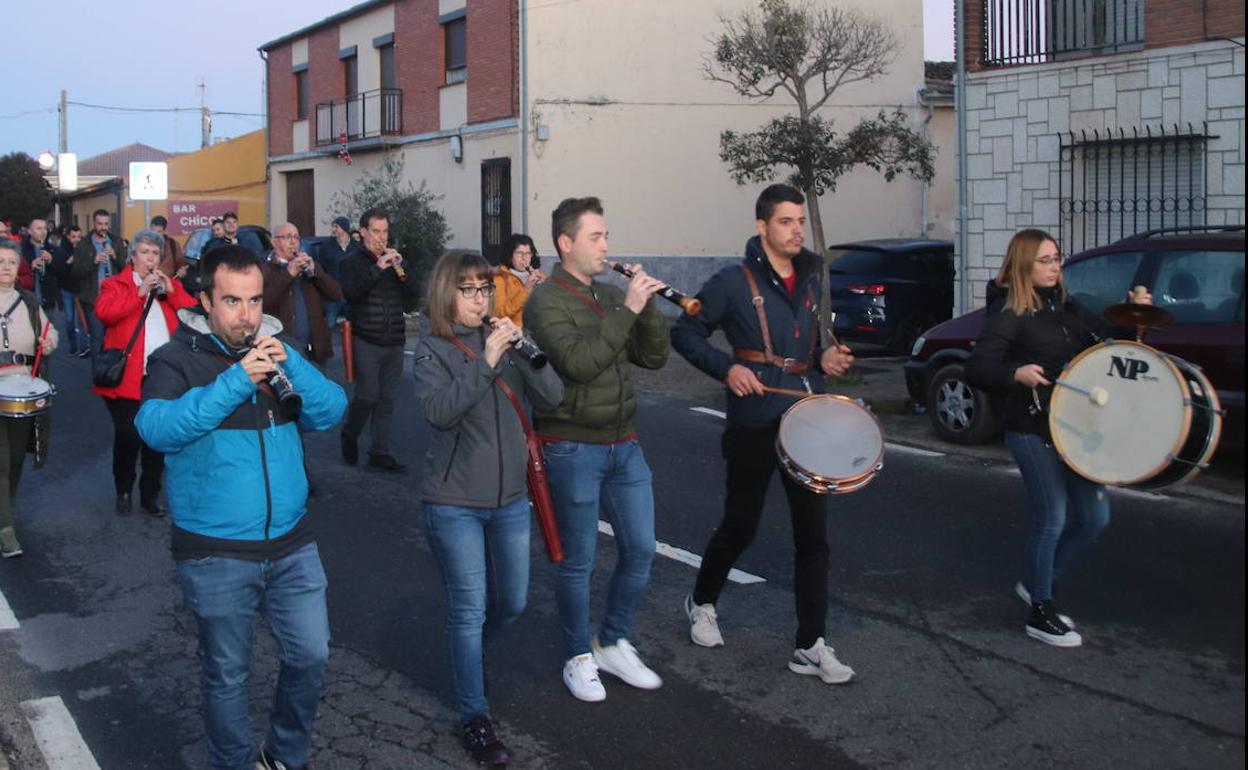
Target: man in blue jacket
768	309
238	491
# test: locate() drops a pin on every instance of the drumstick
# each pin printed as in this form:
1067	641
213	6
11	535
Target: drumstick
34	370
788	392
1096	395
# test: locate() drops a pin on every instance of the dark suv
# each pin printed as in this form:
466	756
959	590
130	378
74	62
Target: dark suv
1198	276
888	291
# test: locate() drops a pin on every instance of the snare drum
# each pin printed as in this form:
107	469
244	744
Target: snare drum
22	395
1159	427
830	444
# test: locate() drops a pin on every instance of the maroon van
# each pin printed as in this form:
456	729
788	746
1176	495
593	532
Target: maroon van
1197	275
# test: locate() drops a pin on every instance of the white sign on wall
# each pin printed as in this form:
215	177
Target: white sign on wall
149	181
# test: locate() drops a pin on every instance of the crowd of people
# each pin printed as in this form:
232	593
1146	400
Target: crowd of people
224	380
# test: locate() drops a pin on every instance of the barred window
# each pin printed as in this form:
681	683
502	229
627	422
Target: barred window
1115	184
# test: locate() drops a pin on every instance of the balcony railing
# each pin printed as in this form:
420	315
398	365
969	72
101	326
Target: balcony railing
1036	31
362	116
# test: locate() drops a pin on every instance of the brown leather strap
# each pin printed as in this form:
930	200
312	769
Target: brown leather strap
756	297
788	365
582	296
507	391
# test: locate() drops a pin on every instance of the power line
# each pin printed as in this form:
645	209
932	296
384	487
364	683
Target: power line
15	115
115	108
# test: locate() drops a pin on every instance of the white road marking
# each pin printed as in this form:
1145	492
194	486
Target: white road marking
707	410
8	621
57	735
686	557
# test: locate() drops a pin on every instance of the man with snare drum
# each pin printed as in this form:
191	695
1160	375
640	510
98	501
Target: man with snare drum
768	308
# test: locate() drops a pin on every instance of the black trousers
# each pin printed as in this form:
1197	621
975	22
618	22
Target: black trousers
14	436
752	461
378	371
127	447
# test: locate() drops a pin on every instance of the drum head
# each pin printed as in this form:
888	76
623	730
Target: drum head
1133	435
23	386
831	437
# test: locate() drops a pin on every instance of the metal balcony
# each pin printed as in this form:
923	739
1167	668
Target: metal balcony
365	115
1036	31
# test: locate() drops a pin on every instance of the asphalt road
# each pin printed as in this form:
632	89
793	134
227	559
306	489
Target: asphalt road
923	564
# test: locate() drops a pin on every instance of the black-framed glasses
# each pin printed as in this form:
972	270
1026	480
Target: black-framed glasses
468	292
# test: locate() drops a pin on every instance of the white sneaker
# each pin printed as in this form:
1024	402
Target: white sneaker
820	660
703	624
580	674
620	660
1025	595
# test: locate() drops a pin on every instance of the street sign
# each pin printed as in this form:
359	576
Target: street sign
67	172
149	181
186	216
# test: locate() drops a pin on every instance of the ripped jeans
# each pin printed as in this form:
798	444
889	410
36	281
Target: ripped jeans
1067	512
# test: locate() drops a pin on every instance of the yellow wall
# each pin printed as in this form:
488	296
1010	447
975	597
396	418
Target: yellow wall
229	170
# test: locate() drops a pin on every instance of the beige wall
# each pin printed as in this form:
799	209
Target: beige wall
652	151
459	183
360	31
942	196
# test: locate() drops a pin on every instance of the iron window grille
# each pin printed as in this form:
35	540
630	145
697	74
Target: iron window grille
1036	31
1115	184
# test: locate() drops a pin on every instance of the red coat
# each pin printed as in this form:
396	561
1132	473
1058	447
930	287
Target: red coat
25	275
119	307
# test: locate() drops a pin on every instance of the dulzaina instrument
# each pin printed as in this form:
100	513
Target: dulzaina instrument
1127	414
832	445
22	395
690	305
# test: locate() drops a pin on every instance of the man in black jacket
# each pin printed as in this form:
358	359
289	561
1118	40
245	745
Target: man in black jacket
75	321
378	290
36	252
777	281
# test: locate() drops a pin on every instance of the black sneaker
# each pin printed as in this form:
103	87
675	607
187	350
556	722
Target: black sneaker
481	742
1046	625
124	505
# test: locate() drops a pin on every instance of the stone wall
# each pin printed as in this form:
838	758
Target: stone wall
1016	116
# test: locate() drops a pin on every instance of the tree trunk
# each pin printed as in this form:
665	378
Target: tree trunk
819	246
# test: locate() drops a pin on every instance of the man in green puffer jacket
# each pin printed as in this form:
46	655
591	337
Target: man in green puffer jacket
592	332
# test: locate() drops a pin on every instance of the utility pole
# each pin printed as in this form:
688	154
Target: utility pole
205	118
64	146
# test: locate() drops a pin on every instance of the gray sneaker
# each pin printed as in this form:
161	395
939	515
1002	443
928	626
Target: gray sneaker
820	660
703	624
9	547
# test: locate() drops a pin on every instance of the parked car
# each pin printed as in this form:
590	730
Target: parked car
888	291
1197	275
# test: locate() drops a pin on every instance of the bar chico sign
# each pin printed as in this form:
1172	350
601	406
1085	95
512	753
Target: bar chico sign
187	216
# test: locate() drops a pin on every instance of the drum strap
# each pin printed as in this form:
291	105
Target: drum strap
768	354
4	321
582	296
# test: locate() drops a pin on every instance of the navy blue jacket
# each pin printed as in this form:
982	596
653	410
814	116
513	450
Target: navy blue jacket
792	321
236	481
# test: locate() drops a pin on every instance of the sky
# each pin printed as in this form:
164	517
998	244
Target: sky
152	55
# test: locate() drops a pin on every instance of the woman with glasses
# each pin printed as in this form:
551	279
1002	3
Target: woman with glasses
1033	328
474	488
516	277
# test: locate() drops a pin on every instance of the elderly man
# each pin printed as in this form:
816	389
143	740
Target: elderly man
296	291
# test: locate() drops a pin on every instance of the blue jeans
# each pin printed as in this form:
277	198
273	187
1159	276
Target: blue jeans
615	478
1067	512
484	557
95	327
78	339
225	594
332	311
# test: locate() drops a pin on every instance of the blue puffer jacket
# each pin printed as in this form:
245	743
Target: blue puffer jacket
236	480
793	323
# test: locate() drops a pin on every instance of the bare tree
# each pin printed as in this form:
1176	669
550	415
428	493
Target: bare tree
807	53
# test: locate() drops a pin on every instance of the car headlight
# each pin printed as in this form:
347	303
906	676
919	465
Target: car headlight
918	345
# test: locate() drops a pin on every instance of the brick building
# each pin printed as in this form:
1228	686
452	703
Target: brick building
1097	119
504	107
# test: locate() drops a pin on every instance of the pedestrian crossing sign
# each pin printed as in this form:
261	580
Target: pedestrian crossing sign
149	181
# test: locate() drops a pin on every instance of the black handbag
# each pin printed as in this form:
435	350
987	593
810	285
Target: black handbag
108	365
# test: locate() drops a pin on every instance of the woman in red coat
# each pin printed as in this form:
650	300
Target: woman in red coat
119	307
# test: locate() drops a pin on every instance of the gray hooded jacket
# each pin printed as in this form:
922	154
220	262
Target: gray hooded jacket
477	453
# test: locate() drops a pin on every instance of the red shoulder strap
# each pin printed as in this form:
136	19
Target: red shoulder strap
582	296
507	391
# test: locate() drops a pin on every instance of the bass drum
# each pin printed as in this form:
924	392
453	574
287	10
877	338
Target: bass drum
830	444
1159	426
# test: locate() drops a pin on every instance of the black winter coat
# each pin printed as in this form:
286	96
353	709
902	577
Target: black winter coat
377	299
1051	337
